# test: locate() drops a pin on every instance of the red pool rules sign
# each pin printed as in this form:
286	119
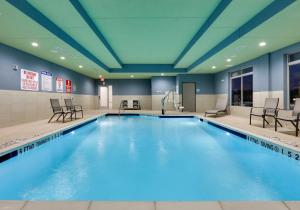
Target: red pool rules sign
29	80
68	86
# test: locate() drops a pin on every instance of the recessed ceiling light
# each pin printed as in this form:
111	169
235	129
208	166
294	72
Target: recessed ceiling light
80	66
162	74
228	60
262	44
62	58
213	67
132	76
34	44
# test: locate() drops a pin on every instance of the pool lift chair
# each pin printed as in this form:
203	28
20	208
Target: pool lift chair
268	110
221	107
165	100
294	118
73	107
59	110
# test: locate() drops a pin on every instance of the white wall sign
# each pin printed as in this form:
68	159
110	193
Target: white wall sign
46	81
59	84
29	80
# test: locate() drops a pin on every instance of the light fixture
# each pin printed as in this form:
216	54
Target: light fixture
100	76
80	66
34	44
132	76
62	58
213	67
262	44
162	74
228	60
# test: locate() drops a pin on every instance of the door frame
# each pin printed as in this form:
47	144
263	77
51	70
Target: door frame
195	93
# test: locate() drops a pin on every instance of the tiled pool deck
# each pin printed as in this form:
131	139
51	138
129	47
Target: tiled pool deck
11	137
95	205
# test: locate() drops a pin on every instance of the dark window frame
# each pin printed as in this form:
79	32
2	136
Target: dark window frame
241	74
292	60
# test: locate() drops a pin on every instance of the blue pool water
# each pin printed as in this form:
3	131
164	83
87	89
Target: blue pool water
149	158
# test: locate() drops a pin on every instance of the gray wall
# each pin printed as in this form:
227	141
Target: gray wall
10	79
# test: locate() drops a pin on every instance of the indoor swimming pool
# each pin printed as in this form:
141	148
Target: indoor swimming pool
146	158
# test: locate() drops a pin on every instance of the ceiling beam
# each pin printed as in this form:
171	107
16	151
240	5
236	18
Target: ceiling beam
210	20
148	68
272	9
41	19
79	8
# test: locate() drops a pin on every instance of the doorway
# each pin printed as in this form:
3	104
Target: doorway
105	97
189	96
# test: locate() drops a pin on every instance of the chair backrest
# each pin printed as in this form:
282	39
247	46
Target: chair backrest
124	103
222	103
296	109
55	105
69	103
271	105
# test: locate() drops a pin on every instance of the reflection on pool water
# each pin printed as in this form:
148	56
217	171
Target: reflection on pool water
150	158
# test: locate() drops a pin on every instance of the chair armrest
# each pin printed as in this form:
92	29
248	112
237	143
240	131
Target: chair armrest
77	105
283	113
256	107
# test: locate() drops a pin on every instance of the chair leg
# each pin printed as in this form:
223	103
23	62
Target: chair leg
279	123
59	117
264	122
267	121
250	119
51	118
297	127
81	114
275	124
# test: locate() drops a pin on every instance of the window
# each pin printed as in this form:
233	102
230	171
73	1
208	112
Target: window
242	87
294	77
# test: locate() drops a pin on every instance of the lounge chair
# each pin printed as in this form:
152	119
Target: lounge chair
59	110
294	119
73	108
269	110
221	107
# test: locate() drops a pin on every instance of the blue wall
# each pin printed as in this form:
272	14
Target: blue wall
260	75
205	83
130	86
10	79
279	66
160	85
269	71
